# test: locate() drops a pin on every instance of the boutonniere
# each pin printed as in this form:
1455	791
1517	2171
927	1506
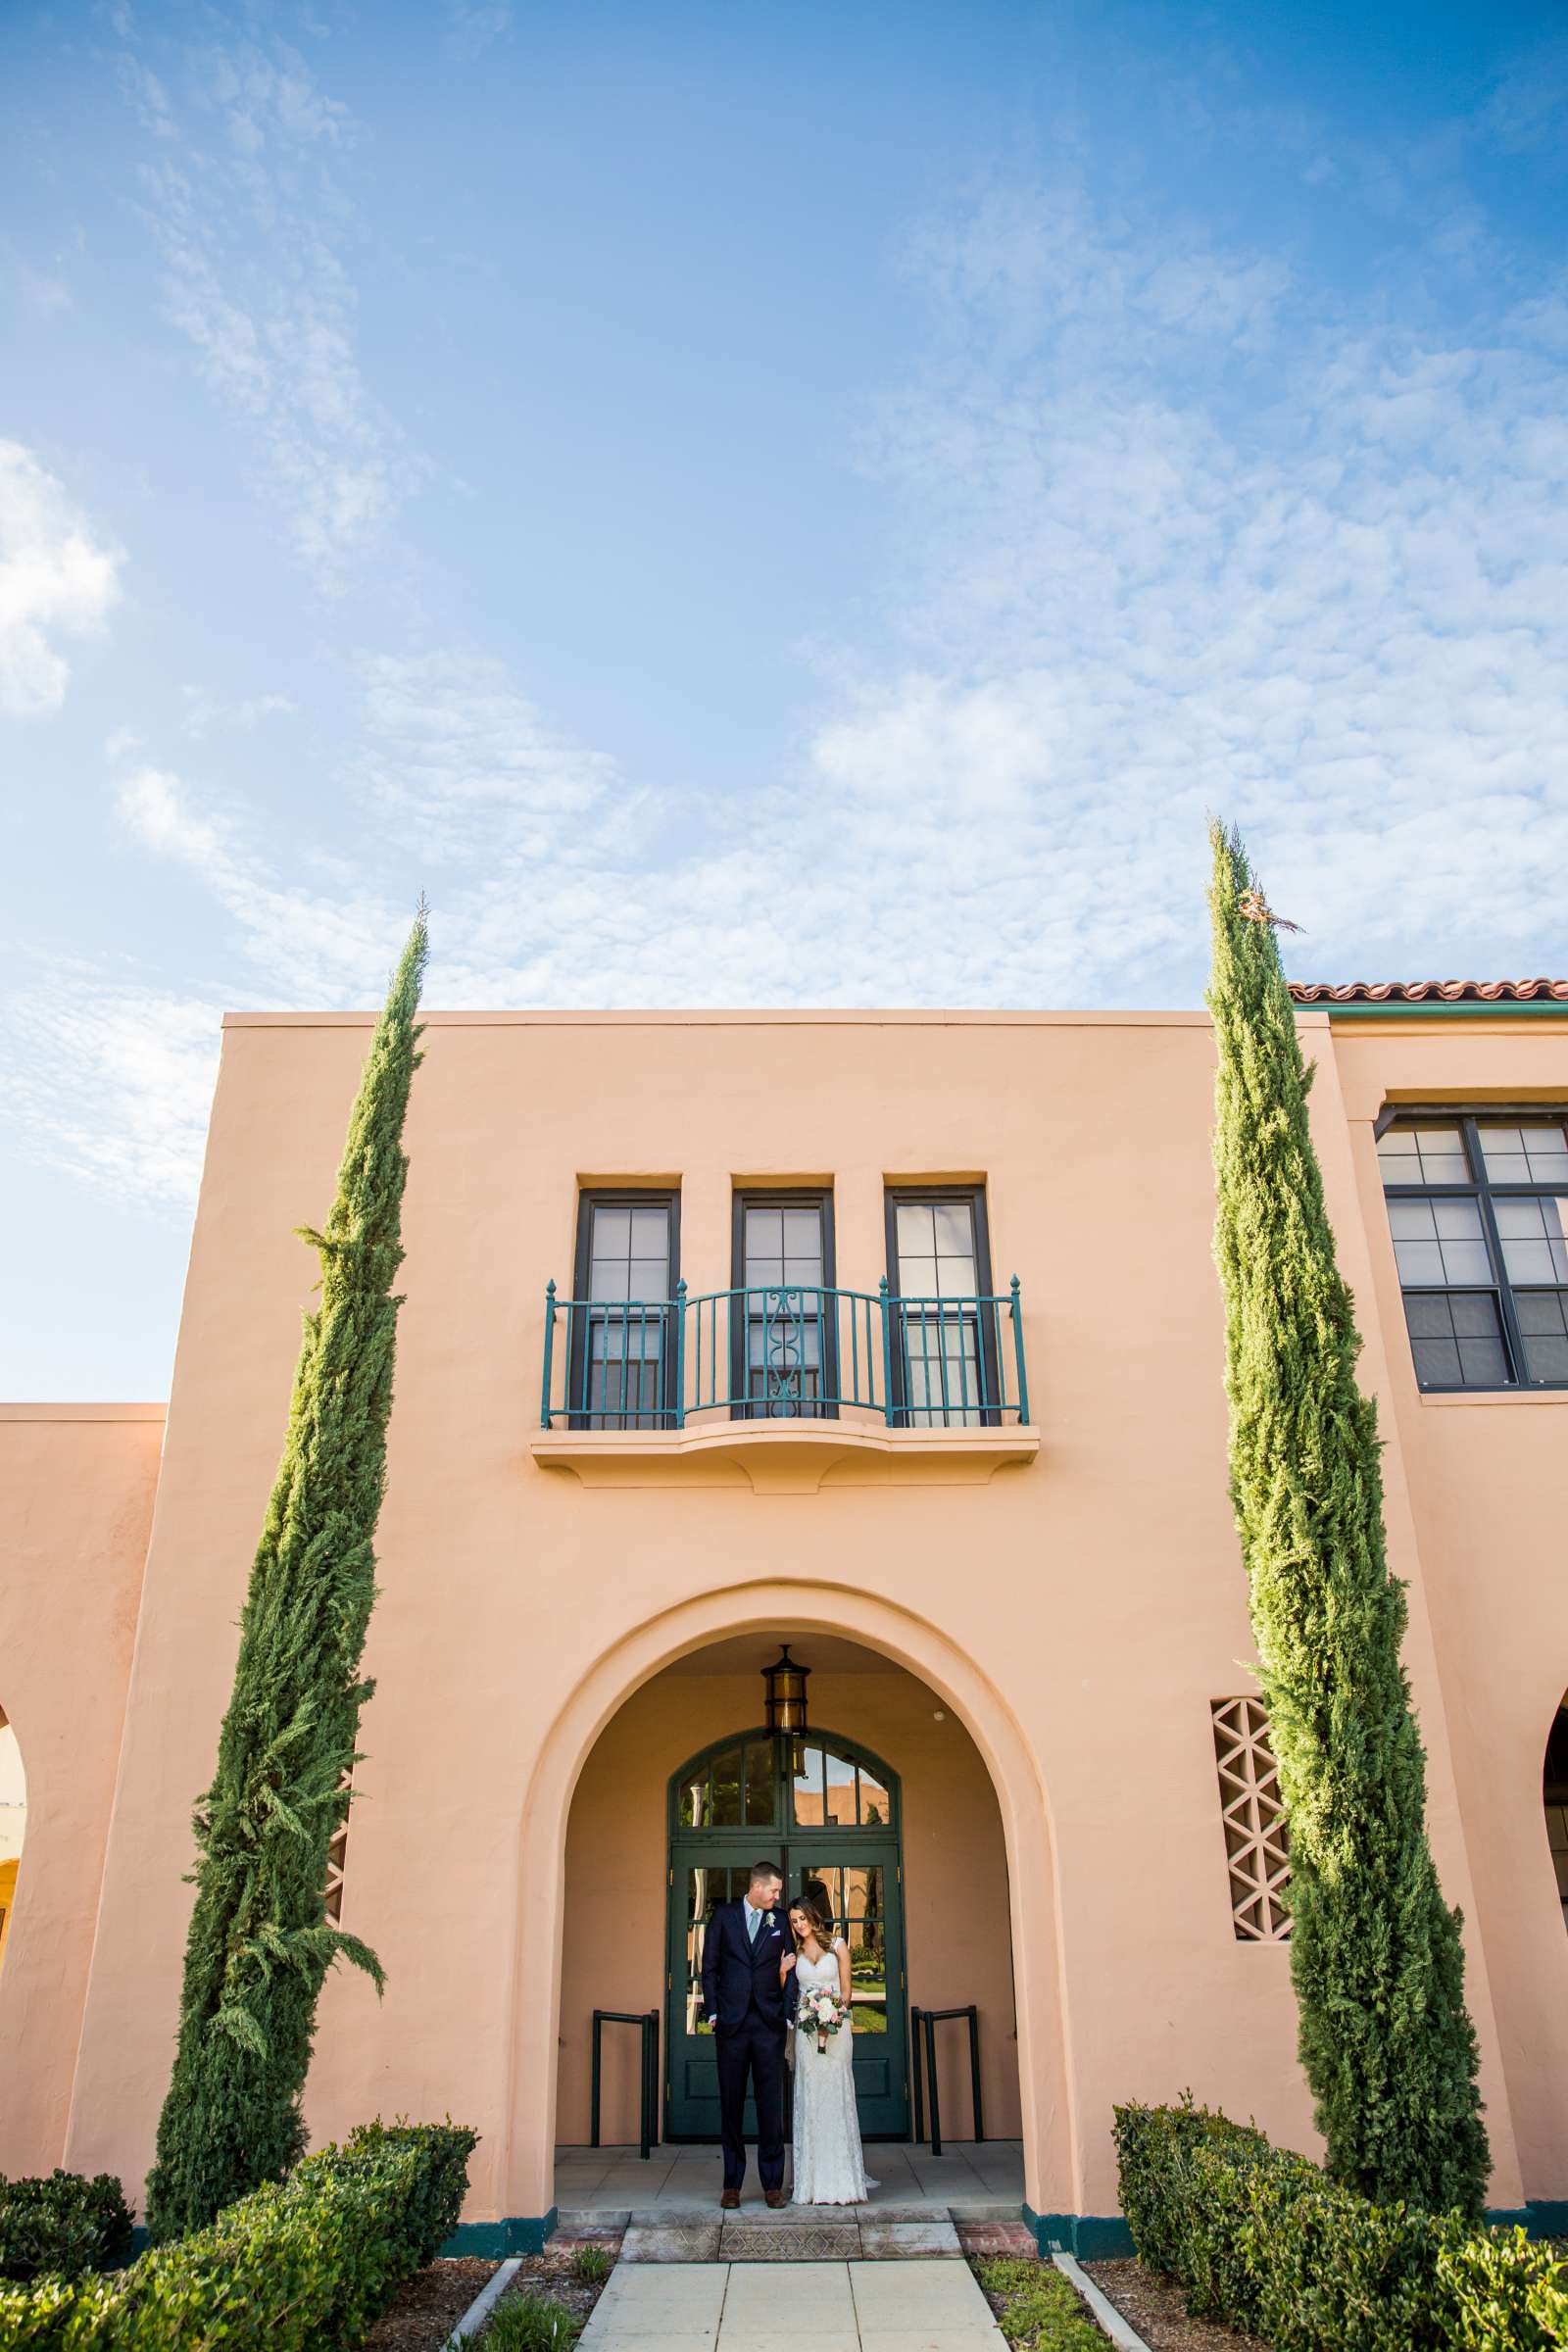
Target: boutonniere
769	1920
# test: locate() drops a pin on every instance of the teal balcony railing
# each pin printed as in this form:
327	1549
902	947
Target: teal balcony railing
791	1354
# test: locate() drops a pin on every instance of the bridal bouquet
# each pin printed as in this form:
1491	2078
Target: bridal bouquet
820	2013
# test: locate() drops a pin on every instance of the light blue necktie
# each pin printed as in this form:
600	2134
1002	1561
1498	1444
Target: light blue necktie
753	1920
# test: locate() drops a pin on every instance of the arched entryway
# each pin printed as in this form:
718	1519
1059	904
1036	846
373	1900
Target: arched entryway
588	1893
13	1824
1554	1795
828	1811
886	1797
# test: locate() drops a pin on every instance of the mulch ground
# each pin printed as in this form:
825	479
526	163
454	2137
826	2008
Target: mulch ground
1158	2308
429	2306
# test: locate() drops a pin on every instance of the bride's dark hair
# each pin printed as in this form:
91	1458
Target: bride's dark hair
814	1904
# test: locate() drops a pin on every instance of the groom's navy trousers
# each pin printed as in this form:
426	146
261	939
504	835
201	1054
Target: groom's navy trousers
750	2012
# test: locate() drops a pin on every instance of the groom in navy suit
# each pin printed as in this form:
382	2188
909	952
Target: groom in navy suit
750	2010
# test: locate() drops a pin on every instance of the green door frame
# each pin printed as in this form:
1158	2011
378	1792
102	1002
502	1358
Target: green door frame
763	1785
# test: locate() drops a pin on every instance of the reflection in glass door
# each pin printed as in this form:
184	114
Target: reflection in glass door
829	1813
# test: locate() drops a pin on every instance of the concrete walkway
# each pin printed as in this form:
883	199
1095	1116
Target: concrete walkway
931	2306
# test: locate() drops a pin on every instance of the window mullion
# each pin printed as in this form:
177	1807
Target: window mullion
1513	1339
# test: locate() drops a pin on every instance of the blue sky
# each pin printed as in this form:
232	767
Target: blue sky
746	505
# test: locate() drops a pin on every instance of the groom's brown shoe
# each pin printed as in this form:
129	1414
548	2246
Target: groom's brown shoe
730	2200
775	2196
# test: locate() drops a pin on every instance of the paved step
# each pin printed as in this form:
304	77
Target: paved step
966	2212
819	2234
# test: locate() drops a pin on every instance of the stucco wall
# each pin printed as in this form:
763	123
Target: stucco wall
1486	1481
1076	1615
76	1490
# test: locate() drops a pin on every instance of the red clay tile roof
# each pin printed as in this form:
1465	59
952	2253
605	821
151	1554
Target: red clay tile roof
1427	991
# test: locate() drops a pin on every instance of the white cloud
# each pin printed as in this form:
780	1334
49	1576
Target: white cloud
205	712
150	806
1171	539
477	25
111	1081
312	948
464	759
1528	103
1175	540
942	746
56	580
252	225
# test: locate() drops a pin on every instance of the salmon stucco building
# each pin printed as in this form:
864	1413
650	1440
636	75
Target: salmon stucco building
885	1347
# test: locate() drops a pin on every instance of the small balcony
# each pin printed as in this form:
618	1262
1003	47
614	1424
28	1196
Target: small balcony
782	1387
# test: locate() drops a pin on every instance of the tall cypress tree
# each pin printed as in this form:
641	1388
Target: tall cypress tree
1376	1957
260	1942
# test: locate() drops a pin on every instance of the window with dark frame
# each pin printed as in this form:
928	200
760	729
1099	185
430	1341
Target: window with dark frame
783	1327
939	1272
623	1337
1477	1208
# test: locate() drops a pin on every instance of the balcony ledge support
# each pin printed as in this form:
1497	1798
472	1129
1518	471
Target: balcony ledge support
784	1457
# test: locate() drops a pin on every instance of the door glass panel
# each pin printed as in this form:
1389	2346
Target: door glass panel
809	1803
706	1888
856	1895
876	1806
866	1932
759	1786
840	1793
726	1814
694	1801
826	1879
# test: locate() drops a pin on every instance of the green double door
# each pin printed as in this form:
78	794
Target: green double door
827	1811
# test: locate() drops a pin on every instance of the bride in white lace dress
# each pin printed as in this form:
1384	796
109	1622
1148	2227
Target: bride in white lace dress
829	2168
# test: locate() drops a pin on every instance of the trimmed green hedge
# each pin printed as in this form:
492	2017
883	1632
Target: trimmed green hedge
306	2263
63	2224
1264	2239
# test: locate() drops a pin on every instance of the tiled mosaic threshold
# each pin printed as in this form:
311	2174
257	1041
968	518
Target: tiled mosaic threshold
849	2236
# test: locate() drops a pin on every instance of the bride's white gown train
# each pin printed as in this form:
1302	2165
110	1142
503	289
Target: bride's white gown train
829	2168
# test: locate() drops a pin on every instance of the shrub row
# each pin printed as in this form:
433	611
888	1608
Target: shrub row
306	2263
1039	2311
64	2224
1264	2239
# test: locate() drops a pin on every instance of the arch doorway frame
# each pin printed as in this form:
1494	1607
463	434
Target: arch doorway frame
520	2176
698	1852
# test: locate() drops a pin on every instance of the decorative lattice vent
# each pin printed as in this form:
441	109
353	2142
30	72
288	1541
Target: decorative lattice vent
1256	1843
336	1857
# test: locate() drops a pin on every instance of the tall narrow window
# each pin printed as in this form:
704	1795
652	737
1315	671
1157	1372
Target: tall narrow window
939	1271
1478	1208
782	1328
622	1318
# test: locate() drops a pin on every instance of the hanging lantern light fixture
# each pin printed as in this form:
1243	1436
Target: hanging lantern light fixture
785	1683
